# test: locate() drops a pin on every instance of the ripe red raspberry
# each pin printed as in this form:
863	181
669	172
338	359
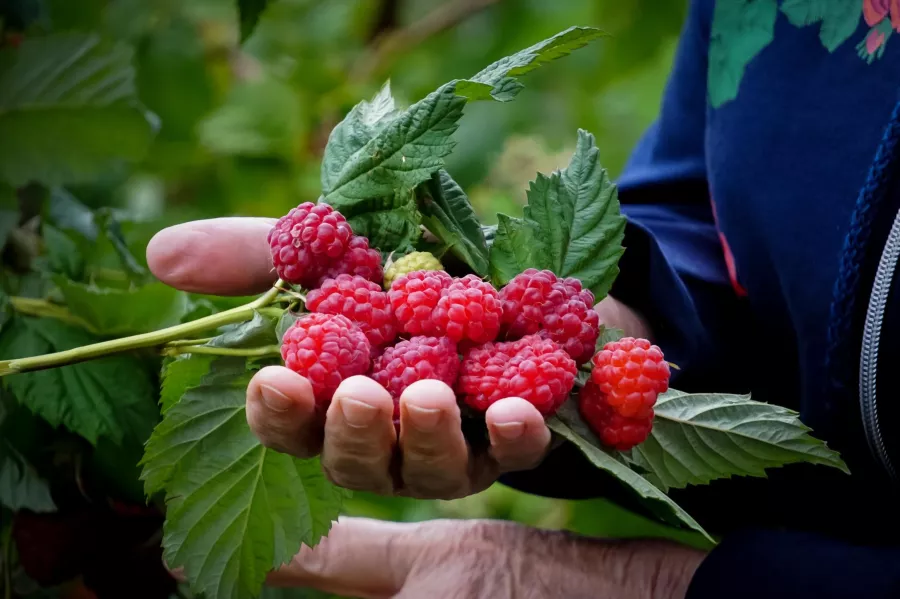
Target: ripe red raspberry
414	360
575	325
537	300
326	349
469	309
414	296
358	259
361	301
524	298
532	368
305	240
614	430
632	373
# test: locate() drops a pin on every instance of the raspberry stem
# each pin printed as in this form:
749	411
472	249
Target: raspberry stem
152	339
252	352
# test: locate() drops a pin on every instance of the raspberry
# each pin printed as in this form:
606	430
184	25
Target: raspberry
414	360
575	325
469	309
532	368
305	239
361	301
414	296
632	373
524	298
326	349
537	300
359	259
614	430
410	263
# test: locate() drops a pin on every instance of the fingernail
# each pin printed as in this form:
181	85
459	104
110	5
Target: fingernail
424	419
275	400
510	430
357	413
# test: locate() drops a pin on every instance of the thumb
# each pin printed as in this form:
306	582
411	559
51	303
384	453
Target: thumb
369	559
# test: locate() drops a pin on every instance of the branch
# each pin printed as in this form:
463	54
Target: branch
396	41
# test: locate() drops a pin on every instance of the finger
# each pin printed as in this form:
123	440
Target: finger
281	411
220	256
358	558
435	457
359	436
519	437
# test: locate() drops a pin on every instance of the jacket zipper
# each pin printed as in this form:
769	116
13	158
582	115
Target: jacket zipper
868	361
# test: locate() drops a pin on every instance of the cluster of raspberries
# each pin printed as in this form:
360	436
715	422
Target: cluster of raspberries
525	340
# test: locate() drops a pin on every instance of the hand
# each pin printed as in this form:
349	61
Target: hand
472	559
357	441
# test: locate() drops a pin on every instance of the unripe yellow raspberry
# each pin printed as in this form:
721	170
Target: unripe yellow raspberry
410	263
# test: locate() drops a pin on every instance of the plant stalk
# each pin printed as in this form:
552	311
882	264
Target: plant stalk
152	339
251	352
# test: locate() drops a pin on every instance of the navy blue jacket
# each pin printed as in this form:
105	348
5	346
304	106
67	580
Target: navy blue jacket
753	252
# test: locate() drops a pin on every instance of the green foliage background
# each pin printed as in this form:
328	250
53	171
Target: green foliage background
240	128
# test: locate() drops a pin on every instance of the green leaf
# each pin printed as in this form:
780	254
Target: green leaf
405	153
21	487
740	30
447	213
115	312
236	510
286	321
517	245
9	213
68	110
839	19
179	375
256	332
499	75
566	423
63	254
250	11
697	438
406	148
361	124
94	399
395	228
573	225
608	335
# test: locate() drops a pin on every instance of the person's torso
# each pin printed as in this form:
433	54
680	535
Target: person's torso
786	159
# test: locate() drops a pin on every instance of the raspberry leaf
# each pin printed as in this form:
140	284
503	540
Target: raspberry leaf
124	311
572	225
236	510
569	425
361	124
377	152
396	226
21	487
112	397
447	213
499	77
179	375
699	437
402	155
517	245
68	110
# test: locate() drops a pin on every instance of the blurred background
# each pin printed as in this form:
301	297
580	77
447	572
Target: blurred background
241	125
